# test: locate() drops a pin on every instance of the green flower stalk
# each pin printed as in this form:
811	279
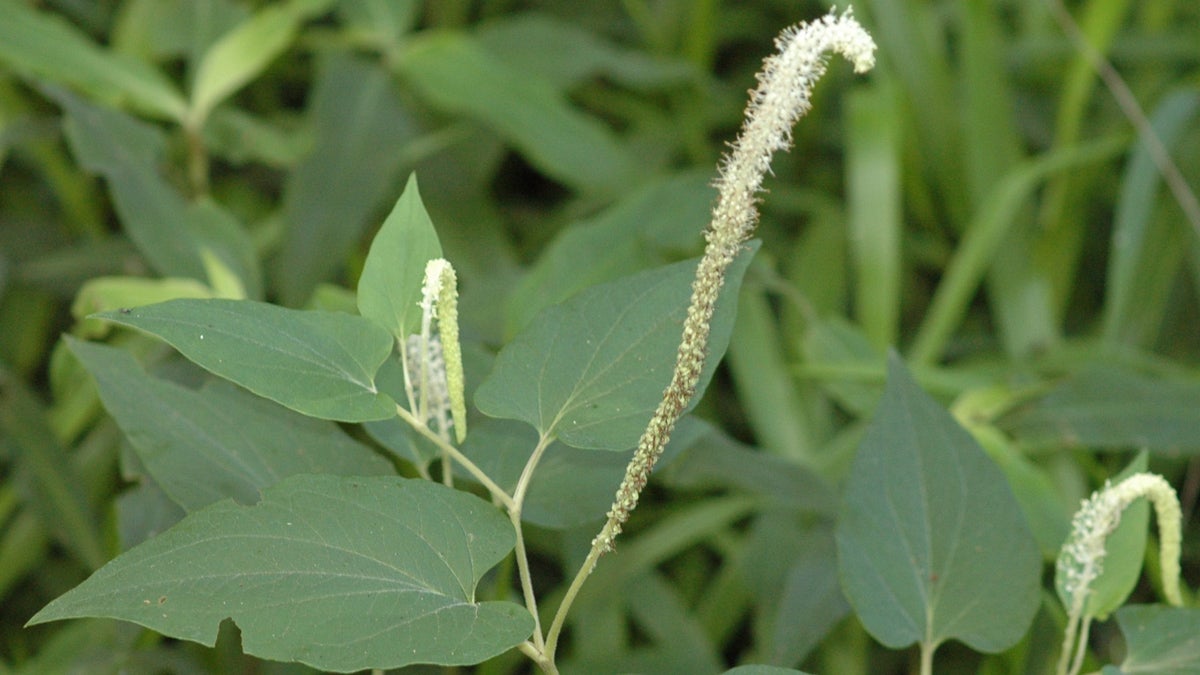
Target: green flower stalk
783	96
1081	560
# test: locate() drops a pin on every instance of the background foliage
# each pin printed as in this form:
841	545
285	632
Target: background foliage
980	203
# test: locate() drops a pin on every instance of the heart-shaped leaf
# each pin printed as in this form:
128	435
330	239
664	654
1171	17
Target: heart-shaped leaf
591	371
931	543
383	571
322	364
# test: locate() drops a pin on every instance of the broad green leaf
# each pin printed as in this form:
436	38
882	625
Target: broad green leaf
219	442
126	151
639	231
1112	408
243	53
1158	640
931	544
359	130
342	574
46	46
390	286
44	474
322	364
789	563
453	72
1125	548
591	371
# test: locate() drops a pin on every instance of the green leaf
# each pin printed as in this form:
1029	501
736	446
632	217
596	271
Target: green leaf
382	570
390	286
243	53
219	442
1146	251
591	371
931	542
453	72
46	46
44	474
126	151
1159	640
322	364
1112	408
646	228
359	129
567	54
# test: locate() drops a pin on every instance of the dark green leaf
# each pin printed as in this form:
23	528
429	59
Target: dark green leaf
360	128
45	474
1112	408
931	542
382	570
591	371
1159	640
639	231
456	74
322	364
390	286
126	151
219	442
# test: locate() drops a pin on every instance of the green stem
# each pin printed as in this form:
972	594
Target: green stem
454	453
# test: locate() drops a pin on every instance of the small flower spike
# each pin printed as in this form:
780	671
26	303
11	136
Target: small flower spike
433	364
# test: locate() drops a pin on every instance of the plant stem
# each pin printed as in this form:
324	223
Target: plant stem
496	491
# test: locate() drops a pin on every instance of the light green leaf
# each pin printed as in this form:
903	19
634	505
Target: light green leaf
454	73
219	442
1112	408
244	52
591	371
383	570
390	286
322	364
1159	640
359	128
46	46
931	543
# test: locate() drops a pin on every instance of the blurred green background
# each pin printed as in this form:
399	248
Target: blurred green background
981	202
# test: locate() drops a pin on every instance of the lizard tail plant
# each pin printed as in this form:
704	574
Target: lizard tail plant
782	97
1081	561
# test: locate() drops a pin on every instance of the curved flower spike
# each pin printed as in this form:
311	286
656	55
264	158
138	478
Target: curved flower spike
783	96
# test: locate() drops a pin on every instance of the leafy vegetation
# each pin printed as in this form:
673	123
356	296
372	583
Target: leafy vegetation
229	383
